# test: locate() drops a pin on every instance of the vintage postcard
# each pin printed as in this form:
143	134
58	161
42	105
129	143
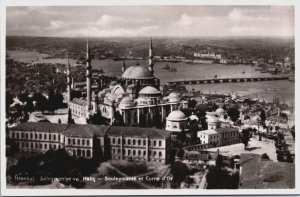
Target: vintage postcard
129	97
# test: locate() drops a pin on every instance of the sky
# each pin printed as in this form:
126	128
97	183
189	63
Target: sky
136	21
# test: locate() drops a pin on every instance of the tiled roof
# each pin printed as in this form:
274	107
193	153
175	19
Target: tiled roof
89	130
137	131
79	101
226	129
86	131
40	126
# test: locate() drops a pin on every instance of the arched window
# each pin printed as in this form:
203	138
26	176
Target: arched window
78	141
88	153
128	152
133	142
119	141
78	152
139	153
139	142
83	153
128	141
159	154
133	153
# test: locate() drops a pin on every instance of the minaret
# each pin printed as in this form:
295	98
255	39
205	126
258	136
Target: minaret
88	76
69	81
123	67
151	58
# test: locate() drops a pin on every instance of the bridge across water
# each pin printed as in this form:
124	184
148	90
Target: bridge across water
226	80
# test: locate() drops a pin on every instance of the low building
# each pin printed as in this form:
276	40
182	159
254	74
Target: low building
216	135
105	142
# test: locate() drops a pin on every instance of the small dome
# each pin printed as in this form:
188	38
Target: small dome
193	117
220	111
126	100
113	83
174	97
212	119
149	90
256	118
137	72
176	115
130	87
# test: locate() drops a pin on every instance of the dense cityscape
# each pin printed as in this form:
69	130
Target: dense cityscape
126	113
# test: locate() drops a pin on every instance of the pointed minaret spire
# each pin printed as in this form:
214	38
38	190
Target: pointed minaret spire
88	76
123	67
151	58
69	81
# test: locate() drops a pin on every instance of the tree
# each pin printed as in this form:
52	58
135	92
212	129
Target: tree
9	100
193	131
234	114
70	120
192	104
245	137
262	116
182	136
179	171
41	102
52	105
265	156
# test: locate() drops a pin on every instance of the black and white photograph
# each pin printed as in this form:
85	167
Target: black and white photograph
186	99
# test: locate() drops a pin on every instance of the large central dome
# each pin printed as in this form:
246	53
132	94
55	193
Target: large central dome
137	72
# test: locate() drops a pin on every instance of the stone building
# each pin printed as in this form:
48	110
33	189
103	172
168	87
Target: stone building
105	142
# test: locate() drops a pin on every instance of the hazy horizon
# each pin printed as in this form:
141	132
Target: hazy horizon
151	21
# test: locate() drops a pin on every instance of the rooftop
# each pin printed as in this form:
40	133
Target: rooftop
79	101
89	130
40	126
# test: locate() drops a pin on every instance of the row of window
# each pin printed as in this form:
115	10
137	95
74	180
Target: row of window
31	136
78	113
79	142
136	142
34	145
231	134
139	153
81	153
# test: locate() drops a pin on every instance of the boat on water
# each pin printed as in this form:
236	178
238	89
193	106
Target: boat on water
173	69
167	67
291	78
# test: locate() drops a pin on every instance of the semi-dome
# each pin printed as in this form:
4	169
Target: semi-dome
176	115
149	90
127	99
137	72
126	102
212	119
220	111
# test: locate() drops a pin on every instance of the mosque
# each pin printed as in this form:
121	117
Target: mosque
135	100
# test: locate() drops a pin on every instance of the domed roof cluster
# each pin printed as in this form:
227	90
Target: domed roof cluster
137	72
176	115
149	90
